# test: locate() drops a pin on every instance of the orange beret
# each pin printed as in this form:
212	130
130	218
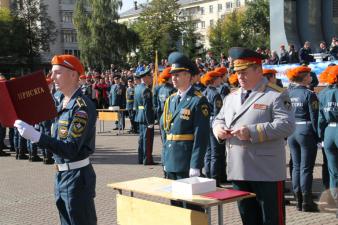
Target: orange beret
269	71
295	72
82	77
165	74
323	75
209	76
332	75
68	61
233	79
49	81
221	70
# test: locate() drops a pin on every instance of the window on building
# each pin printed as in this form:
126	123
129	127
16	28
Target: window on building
202	10
219	7
69	36
203	24
211	23
238	3
211	9
67	17
68	52
77	53
228	5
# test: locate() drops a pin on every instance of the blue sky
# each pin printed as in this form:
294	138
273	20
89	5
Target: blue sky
127	4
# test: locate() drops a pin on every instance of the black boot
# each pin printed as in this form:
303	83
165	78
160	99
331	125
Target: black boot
308	204
299	200
2	153
35	158
22	155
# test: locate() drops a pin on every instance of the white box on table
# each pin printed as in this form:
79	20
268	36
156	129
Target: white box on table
193	186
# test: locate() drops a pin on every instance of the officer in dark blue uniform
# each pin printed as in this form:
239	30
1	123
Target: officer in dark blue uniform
303	142
328	128
145	118
224	88
117	98
165	90
155	100
184	123
214	161
130	104
72	141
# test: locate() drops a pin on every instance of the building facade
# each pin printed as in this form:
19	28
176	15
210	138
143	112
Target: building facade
204	13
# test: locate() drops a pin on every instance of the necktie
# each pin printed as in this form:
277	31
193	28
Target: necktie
178	99
246	96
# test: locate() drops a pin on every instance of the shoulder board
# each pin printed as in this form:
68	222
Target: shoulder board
173	94
80	102
198	93
275	87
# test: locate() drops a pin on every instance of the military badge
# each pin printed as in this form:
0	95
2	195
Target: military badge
219	103
205	110
185	114
78	124
288	105
62	132
314	105
260	106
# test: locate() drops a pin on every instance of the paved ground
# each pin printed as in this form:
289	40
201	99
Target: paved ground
26	189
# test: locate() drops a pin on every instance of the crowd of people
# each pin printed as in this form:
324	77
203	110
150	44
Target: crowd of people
225	119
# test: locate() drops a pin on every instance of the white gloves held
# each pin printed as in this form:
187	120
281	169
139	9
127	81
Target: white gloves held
194	172
151	126
27	131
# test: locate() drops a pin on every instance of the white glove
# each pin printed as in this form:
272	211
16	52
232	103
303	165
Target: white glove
322	144
151	126
27	131
194	172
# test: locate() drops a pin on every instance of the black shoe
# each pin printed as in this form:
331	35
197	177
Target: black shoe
48	161
22	156
116	128
12	149
308	204
35	159
4	154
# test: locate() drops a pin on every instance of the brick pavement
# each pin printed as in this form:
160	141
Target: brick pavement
26	189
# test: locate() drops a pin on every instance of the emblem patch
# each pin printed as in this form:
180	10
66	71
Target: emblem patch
205	110
63	132
219	104
314	105
78	124
288	105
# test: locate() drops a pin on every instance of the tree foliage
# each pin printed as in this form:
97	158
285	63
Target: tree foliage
191	45
102	40
247	27
159	28
39	29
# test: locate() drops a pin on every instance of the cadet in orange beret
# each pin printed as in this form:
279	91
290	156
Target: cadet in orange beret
303	148
270	74
224	88
327	126
72	141
214	160
164	91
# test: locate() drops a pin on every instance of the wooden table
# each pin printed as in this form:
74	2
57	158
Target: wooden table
110	115
160	187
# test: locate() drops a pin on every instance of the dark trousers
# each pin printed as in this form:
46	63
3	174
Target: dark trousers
131	115
11	137
145	144
331	151
32	148
325	171
267	208
20	144
303	150
2	135
212	159
177	176
74	195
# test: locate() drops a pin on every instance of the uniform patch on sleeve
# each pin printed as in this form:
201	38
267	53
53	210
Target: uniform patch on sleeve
288	105
205	110
219	103
314	105
79	124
